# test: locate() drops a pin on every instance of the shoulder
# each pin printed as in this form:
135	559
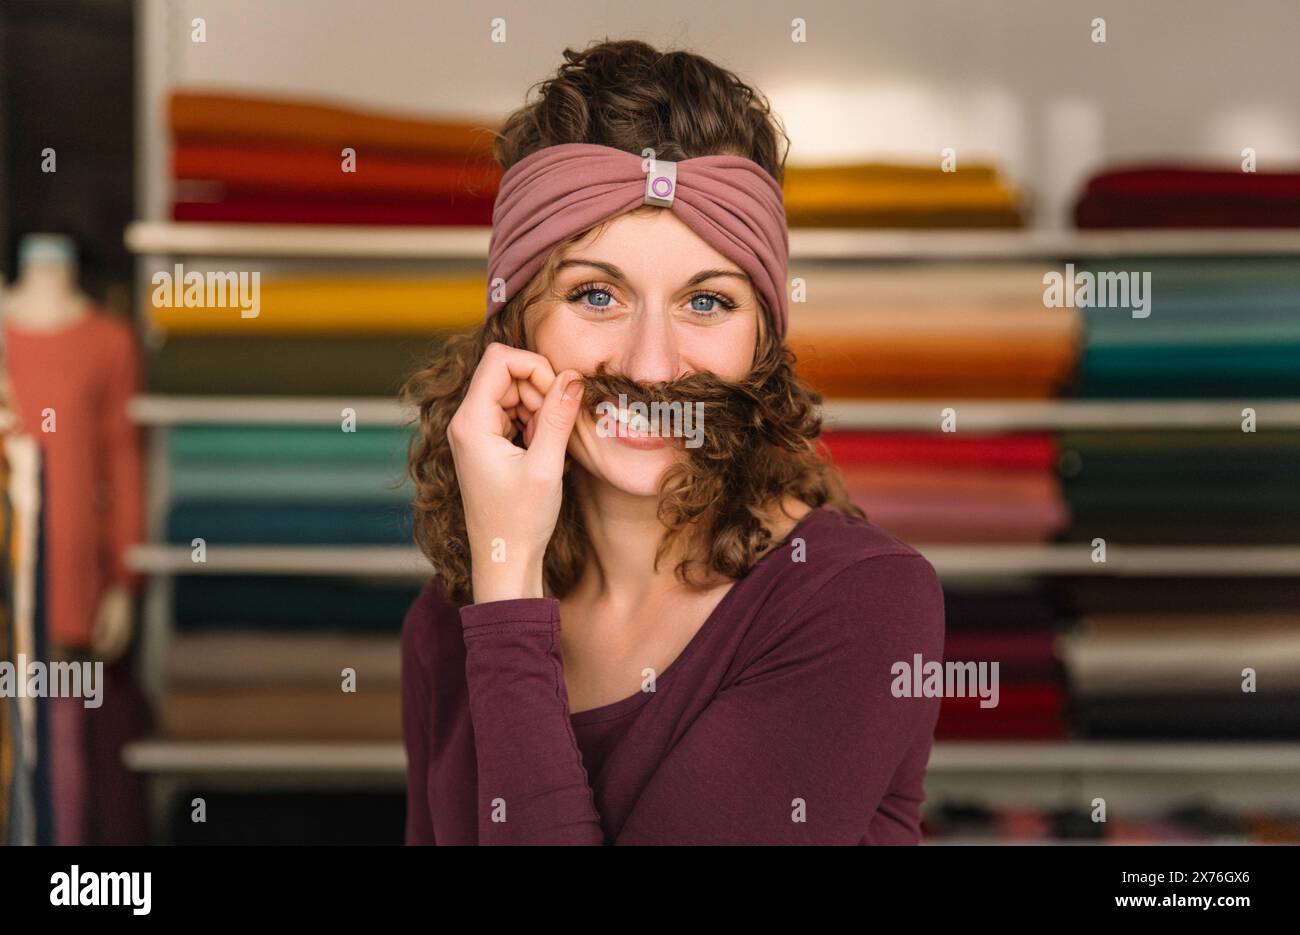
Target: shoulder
842	579
429	617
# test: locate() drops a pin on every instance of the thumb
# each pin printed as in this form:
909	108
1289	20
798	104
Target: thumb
555	420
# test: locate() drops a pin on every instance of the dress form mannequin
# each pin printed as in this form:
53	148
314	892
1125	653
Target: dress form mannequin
44	299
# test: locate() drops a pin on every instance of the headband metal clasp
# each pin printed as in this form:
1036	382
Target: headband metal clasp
661	184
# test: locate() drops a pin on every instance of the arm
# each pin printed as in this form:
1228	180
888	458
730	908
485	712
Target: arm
811	718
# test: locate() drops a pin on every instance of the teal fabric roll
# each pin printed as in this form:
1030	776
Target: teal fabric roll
289	603
311	481
1168	371
254	522
292	444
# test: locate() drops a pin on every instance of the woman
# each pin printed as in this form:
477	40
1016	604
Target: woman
644	631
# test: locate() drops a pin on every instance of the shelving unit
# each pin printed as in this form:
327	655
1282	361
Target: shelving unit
1238	773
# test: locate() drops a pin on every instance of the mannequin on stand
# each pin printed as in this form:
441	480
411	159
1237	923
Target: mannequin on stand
72	369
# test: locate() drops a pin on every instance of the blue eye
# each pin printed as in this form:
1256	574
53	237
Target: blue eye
599	292
710	300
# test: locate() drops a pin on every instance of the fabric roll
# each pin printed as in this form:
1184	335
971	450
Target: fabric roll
1138	594
255	522
282	713
1178	653
232	658
1021	656
1012	451
937	517
289	483
336	305
898	195
247	208
1025	711
1169	195
290	604
195	113
318	171
1203	717
1168	370
236	365
1024	609
280	445
299	818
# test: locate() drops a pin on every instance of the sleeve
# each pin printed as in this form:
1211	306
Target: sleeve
800	748
415	733
125	472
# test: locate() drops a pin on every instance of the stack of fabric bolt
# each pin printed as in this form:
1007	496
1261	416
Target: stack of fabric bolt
1184	658
1214	327
265	657
325	336
1189	196
878	194
258	159
1012	625
933	331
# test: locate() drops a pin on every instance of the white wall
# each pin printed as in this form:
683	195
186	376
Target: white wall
1017	80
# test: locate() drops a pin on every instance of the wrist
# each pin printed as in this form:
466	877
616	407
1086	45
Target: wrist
505	579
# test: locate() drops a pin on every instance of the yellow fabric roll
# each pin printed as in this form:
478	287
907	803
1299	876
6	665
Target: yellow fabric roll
333	306
888	195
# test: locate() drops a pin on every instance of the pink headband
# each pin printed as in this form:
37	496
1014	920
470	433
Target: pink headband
559	191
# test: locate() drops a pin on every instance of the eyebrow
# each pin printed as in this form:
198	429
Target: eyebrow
615	273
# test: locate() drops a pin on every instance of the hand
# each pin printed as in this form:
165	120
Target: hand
512	495
113	624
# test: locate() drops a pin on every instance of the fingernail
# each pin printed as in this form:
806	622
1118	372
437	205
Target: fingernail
574	389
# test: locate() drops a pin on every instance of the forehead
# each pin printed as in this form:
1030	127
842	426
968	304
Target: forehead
650	242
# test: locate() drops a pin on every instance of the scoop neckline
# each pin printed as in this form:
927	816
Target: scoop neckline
617	709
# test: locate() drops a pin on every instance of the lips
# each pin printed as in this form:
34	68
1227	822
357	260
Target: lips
634	429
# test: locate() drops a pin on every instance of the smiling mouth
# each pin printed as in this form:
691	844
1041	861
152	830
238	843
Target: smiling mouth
630	428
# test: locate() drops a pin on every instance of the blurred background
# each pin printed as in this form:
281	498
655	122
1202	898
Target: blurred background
1109	496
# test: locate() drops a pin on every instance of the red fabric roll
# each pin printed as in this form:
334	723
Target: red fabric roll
281	210
291	170
1028	450
1031	710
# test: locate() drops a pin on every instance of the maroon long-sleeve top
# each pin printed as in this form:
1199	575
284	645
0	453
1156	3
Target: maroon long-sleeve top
775	725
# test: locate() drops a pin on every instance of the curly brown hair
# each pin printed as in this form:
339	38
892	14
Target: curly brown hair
762	444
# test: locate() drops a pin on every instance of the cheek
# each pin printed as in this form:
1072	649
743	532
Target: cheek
567	341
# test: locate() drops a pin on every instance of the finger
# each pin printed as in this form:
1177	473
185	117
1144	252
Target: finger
494	377
553	424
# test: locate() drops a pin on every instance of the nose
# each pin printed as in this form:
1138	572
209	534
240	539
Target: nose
651	354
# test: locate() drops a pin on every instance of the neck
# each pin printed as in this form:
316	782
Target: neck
625	533
43	308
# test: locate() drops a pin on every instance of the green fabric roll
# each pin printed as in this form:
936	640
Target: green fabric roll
253	522
289	482
1179	458
291	603
303	366
382	447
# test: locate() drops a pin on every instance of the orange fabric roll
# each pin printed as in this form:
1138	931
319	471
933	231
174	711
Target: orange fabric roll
229	116
245	713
